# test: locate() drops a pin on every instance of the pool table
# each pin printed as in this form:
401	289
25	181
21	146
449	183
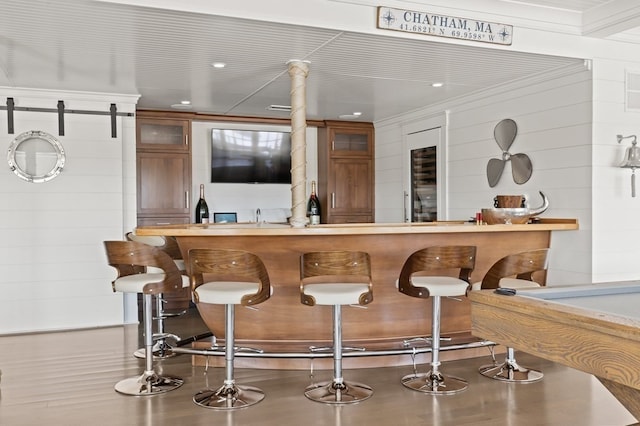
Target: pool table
594	328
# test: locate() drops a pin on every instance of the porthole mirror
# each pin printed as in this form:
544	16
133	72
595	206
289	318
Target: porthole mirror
36	156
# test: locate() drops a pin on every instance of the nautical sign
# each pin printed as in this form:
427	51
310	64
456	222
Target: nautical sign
410	21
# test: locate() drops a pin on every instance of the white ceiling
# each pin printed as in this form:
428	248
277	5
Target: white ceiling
577	5
166	57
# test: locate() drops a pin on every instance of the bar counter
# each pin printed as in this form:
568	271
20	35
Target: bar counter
284	322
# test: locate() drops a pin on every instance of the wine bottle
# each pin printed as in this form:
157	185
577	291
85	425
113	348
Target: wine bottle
313	206
202	210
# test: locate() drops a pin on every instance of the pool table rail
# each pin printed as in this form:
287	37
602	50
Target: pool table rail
603	344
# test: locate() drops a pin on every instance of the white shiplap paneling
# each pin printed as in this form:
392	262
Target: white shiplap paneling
554	108
52	247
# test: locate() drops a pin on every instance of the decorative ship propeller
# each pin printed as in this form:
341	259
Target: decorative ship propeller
521	168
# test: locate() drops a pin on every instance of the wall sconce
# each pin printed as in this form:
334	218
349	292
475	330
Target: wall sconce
631	160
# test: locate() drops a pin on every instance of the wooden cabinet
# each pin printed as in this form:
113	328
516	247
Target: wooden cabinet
164	180
346	172
350	192
163	166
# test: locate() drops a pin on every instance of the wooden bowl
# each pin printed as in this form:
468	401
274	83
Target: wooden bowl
498	216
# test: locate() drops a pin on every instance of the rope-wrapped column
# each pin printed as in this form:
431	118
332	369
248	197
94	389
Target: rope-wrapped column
298	71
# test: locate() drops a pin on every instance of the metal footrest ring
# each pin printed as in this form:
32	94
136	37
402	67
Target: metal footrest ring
330	348
425	340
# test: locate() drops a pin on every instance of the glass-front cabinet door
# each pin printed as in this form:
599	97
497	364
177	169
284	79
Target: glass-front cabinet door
424	171
424	185
163	134
354	142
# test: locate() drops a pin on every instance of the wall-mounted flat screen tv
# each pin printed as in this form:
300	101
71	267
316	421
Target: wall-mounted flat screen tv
250	156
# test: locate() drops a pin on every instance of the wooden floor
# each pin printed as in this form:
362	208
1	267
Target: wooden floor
67	378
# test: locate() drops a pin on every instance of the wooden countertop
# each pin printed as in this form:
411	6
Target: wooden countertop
248	229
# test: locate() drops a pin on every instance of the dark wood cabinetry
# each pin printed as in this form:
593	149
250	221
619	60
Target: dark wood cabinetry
346	172
164	180
163	163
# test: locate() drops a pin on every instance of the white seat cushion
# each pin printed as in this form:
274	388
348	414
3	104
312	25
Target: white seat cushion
476	286
154	270
179	264
336	293
441	286
135	283
509	283
152	240
185	279
225	292
517	283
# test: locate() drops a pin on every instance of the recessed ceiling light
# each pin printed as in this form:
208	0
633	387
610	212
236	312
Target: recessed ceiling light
218	65
182	105
351	116
438	84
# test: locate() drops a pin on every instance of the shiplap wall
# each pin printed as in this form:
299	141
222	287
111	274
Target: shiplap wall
553	115
389	196
616	215
53	270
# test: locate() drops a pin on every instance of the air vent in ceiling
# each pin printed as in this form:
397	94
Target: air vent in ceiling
632	91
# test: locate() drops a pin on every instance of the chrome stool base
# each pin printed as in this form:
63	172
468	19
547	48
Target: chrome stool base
160	350
510	372
436	384
229	397
148	384
338	393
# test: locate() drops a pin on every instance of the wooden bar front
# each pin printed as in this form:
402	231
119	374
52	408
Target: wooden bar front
391	316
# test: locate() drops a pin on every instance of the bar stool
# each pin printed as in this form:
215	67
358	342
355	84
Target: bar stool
336	278
161	349
228	277
522	266
131	259
432	260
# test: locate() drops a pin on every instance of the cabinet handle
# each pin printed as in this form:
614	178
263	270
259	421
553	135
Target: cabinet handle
404	206
163	223
186	199
333	200
186	139
333	145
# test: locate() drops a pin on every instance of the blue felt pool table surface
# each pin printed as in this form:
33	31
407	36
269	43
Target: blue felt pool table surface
617	298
